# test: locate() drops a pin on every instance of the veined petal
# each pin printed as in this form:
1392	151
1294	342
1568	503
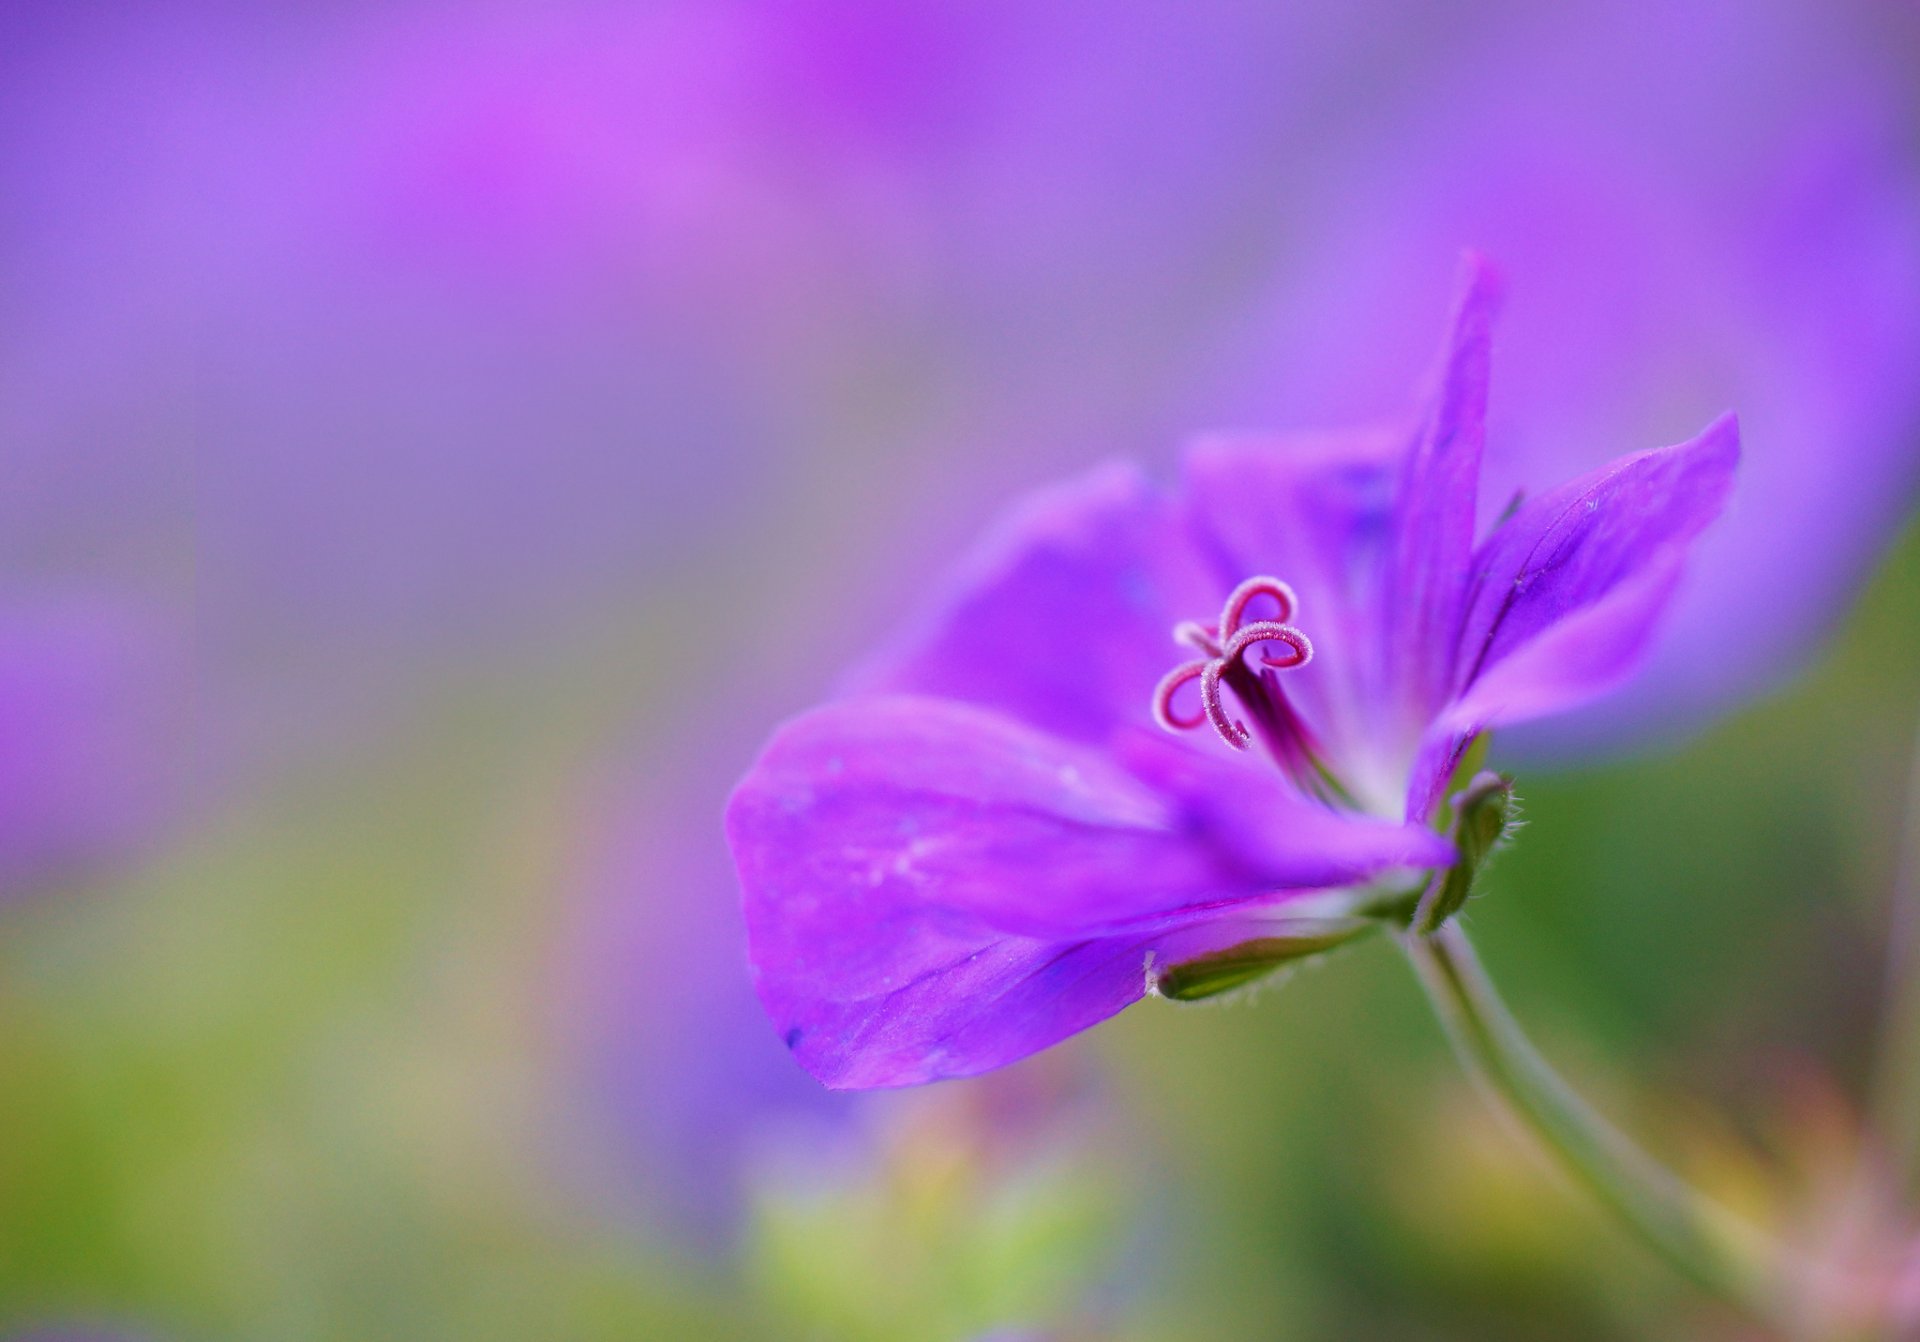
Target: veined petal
980	1000
912	870
1064	617
1566	595
1241	809
864	808
933	889
1578	657
1562	554
1582	656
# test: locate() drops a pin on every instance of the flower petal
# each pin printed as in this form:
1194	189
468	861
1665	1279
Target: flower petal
933	889
1566	551
1438	492
1567	595
859	809
1293	843
1064	617
1580	656
983	999
1583	656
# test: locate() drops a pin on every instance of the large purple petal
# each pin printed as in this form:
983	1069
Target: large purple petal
983	999
1064	617
934	889
863	809
1581	656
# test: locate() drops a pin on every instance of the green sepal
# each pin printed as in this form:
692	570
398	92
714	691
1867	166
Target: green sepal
1482	812
1223	971
1470	770
1394	907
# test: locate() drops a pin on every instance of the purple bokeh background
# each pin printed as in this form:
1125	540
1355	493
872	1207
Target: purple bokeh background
348	352
90	691
390	336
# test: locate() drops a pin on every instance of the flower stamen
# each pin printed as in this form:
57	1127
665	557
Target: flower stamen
1163	710
1281	647
1299	648
1233	731
1242	596
1193	634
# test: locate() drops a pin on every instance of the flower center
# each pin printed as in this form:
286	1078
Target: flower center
1246	656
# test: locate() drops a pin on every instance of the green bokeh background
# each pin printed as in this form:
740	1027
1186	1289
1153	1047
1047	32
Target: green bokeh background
300	1078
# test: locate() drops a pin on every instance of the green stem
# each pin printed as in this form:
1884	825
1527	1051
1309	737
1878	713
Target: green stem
1719	1252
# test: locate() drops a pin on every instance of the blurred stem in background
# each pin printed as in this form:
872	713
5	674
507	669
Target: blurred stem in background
1895	1096
1717	1250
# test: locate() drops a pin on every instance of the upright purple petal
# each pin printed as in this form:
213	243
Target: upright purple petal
1064	617
1439	490
1585	655
1567	595
1581	655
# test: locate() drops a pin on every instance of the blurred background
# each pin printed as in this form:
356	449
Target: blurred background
438	442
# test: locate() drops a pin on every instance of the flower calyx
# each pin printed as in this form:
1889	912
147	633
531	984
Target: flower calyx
1484	814
1252	961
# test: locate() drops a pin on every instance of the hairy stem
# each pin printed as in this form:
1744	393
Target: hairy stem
1719	1252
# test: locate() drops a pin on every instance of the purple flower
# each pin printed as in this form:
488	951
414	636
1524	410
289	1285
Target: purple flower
989	845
